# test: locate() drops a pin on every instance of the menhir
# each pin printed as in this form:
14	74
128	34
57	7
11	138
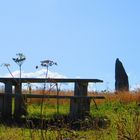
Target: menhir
121	78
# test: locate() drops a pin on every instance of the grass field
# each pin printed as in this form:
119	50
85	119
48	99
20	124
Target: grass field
120	112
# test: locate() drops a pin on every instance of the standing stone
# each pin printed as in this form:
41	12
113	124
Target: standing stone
121	78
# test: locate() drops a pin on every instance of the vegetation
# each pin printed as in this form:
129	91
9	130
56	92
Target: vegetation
117	117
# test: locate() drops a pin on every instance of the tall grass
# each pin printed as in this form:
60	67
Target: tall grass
124	125
123	97
120	111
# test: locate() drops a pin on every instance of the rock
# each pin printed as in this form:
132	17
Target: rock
121	78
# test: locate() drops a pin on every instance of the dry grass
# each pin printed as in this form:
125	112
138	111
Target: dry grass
123	97
51	101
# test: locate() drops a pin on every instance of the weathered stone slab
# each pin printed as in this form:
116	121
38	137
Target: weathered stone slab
121	78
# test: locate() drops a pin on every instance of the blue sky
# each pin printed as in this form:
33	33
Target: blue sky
83	37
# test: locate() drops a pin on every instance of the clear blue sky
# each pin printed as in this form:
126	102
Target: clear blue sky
83	36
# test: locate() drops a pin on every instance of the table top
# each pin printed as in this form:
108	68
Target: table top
48	80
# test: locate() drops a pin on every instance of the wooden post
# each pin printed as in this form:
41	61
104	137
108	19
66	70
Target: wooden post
20	108
7	106
79	107
1	103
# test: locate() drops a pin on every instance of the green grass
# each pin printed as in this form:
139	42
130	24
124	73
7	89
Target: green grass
48	110
125	120
124	124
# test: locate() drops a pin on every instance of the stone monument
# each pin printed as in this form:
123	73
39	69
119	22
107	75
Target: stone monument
121	78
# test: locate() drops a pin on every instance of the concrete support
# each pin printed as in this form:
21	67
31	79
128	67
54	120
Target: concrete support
7	103
20	108
79	107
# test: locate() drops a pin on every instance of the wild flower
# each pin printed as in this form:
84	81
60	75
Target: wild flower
46	64
7	65
19	60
